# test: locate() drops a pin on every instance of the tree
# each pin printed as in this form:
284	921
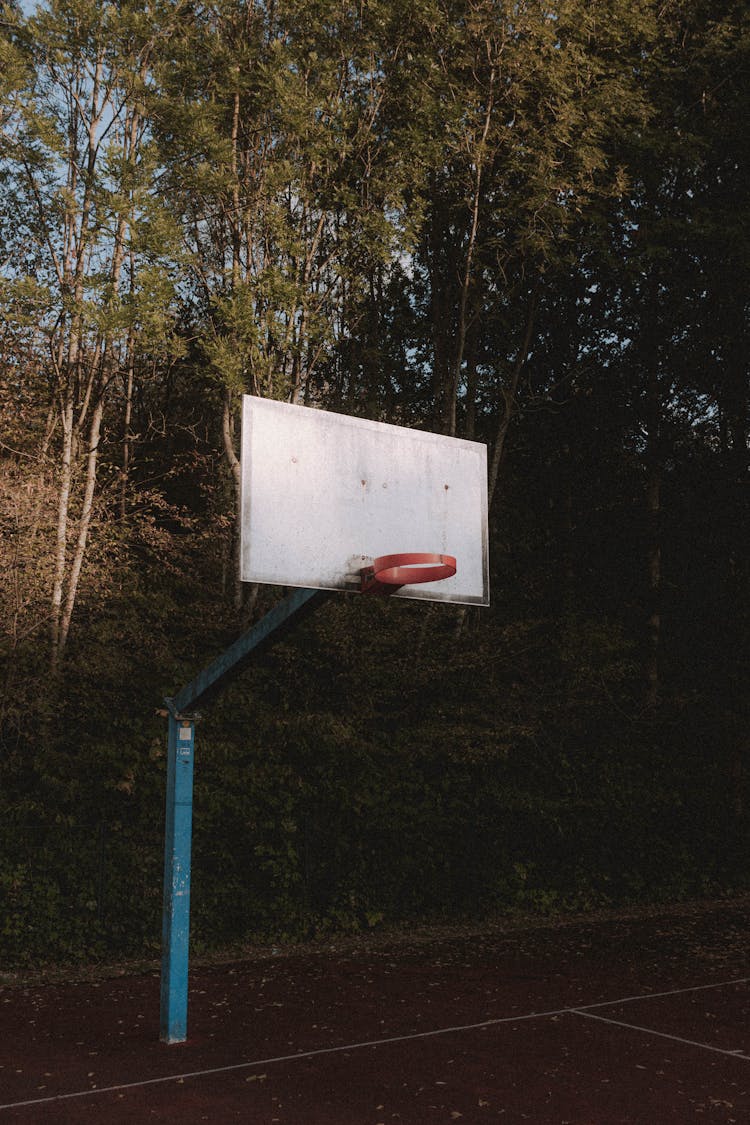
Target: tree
289	172
535	97
84	227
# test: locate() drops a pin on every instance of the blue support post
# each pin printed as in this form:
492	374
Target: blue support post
179	819
176	910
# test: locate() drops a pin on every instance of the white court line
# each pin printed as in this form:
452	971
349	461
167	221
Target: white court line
580	1010
659	995
661	1034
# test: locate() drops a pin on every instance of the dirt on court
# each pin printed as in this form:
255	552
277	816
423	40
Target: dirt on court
608	1018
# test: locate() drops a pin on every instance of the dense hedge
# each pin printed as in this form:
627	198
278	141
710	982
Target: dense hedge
349	780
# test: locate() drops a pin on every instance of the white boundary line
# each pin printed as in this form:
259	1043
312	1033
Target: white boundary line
659	995
579	1010
662	1034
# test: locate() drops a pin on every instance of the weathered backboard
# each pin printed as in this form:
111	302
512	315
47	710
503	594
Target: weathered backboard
323	494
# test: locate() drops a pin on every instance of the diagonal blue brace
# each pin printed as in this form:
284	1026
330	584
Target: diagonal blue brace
179	811
271	628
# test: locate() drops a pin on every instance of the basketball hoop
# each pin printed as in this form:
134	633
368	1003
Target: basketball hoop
389	572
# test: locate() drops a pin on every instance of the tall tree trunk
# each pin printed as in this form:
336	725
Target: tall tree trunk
84	525
451	405
440	309
509	394
737	456
510	398
472	351
127	435
233	464
653	543
63	506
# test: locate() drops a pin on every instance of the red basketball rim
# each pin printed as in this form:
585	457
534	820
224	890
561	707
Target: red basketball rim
410	569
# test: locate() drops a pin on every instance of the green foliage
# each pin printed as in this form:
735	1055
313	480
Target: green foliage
527	223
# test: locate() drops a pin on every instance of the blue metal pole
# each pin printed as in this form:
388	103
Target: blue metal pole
179	817
176	909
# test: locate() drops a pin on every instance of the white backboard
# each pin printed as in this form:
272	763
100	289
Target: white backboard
323	494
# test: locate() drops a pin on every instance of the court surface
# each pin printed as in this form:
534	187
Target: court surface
620	1017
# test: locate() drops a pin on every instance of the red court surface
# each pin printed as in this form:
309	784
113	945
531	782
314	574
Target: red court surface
616	1018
